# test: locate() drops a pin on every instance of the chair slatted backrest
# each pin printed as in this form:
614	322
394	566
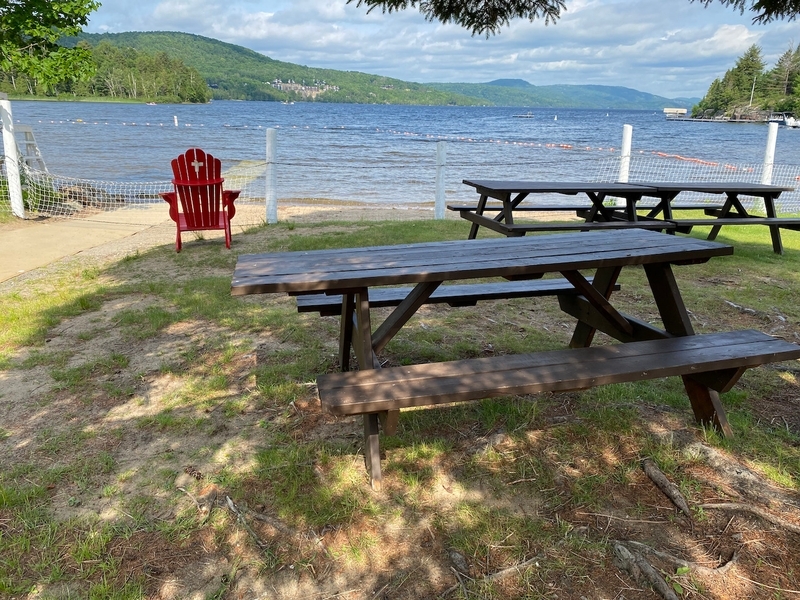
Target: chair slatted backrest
198	183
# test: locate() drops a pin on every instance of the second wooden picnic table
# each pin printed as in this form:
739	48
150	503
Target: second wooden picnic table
599	214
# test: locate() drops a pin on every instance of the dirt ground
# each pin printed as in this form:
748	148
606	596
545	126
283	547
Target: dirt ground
740	540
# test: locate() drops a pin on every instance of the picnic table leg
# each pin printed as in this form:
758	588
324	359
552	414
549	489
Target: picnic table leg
604	281
508	209
732	201
597	205
346	331
362	342
774	230
473	231
665	208
630	207
372	451
706	403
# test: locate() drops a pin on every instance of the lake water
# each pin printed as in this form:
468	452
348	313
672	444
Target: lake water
375	152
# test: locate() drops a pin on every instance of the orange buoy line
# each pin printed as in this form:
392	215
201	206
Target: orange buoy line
687	159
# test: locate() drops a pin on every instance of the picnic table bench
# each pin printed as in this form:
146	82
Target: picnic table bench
453	295
709	364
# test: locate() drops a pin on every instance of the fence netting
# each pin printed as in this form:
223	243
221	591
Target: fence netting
49	195
670	168
59	196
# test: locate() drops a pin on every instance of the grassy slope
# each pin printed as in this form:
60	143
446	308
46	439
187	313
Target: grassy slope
241	73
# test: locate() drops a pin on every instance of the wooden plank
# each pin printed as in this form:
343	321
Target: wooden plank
285	262
494	187
401	315
298	272
372	452
590	320
711	222
523	207
484	221
668	299
454	294
589	226
605	282
716	187
598	300
561	370
498	253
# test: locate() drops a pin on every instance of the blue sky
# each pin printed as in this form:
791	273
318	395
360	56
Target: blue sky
671	48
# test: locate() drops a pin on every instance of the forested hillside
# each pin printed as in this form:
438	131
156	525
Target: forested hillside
517	92
181	67
749	91
236	73
121	73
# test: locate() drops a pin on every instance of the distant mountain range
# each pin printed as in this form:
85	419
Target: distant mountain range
518	92
235	72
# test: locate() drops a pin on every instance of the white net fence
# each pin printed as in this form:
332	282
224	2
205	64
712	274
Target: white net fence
670	167
50	195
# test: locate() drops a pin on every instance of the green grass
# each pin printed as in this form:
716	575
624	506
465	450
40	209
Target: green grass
99	463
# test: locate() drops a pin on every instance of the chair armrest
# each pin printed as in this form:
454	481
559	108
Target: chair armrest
228	198
172	199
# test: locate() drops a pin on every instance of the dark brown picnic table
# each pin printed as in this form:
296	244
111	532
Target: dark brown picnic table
598	215
356	274
730	212
513	193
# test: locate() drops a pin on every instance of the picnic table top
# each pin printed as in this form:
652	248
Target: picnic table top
633	187
560	187
513	258
715	187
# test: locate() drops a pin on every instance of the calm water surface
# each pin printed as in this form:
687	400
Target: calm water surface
373	152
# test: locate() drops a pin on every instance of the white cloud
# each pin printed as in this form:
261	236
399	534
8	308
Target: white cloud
668	47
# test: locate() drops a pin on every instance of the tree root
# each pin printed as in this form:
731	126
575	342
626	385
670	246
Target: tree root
769	517
628	557
679	562
642	571
669	489
518	568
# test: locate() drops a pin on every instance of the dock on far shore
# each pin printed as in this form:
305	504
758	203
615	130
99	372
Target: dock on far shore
680	114
758	117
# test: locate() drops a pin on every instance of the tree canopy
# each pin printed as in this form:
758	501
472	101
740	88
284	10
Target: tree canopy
30	33
487	17
748	90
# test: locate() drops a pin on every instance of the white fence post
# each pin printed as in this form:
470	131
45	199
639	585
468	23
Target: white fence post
769	157
271	189
441	163
12	164
625	158
769	154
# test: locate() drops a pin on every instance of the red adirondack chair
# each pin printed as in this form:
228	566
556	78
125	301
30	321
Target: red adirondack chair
203	205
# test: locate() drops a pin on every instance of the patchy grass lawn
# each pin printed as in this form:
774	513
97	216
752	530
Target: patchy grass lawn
162	439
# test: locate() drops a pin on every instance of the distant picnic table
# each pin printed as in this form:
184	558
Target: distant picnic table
518	196
353	282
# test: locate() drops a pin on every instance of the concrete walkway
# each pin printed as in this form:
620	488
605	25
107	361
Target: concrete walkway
36	244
